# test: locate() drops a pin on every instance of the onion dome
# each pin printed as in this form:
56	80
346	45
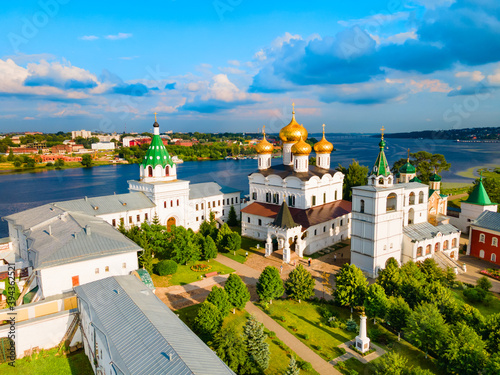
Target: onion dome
323	146
293	131
264	147
435	177
415	179
408	168
301	148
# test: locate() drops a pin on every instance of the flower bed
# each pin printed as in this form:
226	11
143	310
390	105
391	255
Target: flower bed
201	267
495	274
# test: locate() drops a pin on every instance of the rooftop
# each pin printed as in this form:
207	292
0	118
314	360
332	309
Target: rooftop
285	171
479	195
209	189
143	334
425	231
488	220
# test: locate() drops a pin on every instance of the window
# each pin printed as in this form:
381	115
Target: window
412	198
341	222
106	269
138	218
260	221
454	242
254	196
202	217
436	248
324	197
146	217
445	245
313	200
427	249
236	199
150	171
122	221
481	254
196	218
291	200
202	206
165	204
324	229
171	203
114	222
208	204
197	207
218	203
494	242
482	238
268	197
232	200
315	232
248	219
380	181
421	197
167	170
493	257
213	204
362	206
391	202
419	251
335	194
96	271
333	226
130	219
177	202
124	265
276	198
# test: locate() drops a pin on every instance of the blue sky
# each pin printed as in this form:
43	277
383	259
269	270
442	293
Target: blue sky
236	65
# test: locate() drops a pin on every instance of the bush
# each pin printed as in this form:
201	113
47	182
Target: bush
377	335
351	326
166	267
306	337
293	328
306	366
475	295
49	164
484	283
319	347
282	318
272	334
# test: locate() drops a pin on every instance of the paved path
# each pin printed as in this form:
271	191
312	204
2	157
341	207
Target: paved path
474	265
351	353
318	363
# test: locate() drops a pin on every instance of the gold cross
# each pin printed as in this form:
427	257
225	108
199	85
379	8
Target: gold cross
264	130
382	130
155	116
293	108
323	130
408	154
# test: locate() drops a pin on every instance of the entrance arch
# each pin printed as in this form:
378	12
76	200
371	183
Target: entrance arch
170	222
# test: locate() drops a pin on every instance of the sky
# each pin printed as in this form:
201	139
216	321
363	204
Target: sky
238	65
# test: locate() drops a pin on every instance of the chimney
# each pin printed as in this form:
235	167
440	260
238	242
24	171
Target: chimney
87	230
85	199
50	230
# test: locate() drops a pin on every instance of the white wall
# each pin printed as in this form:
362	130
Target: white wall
469	212
57	280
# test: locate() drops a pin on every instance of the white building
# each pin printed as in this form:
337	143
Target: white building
297	206
391	220
81	133
103	146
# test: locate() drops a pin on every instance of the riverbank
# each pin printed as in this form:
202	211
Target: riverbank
9	168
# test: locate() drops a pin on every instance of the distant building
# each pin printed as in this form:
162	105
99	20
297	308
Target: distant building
107	137
81	133
66	148
23	150
54	157
183	142
128	330
484	237
103	146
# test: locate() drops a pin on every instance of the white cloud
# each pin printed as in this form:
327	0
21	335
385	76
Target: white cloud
128	57
7	116
28	118
432	4
475	76
401	37
231	70
119	36
89	37
234	62
224	90
166	108
260	55
376	19
286	38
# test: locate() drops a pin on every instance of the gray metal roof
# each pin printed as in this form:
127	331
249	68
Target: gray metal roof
208	189
107	204
144	336
426	231
488	220
58	237
409	185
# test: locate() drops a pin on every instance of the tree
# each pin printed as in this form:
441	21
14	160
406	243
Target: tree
300	284
426	327
222	236
59	163
491	186
207	229
376	302
230	348
233	242
425	163
391	363
464	351
411	290
355	175
398	313
390	277
492	366
255	341
166	267
219	298
350	286
232	220
472	317
292	368
209	248
17	163
492	333
208	321
270	285
182	245
432	271
146	260
237	291
484	283
86	160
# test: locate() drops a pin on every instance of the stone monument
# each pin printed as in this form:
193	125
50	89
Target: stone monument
362	341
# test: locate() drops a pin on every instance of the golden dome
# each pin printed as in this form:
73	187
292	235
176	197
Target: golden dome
301	148
323	146
293	131
264	147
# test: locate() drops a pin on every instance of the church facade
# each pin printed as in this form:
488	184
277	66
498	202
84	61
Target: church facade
295	206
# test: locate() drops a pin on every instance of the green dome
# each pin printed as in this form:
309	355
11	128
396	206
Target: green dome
415	179
408	168
157	154
435	177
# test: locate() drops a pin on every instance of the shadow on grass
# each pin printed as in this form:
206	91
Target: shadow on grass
336	336
79	363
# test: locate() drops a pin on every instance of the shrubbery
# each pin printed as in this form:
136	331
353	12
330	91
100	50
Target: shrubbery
166	267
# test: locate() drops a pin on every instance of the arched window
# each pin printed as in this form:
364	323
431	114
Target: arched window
494	242
412	198
419	251
454	242
335	194
150	171
248	219
362	206
391	202
445	245
411	216
436	248
482	238
427	249
421	197
493	257
481	254
167	171
380	181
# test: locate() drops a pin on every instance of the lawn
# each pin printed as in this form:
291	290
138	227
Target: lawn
306	319
50	363
185	275
485	309
330	249
247	245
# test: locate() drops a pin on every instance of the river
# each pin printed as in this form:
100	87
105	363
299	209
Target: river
22	191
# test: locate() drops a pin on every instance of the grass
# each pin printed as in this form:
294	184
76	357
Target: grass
49	362
185	275
485	309
306	317
247	245
354	364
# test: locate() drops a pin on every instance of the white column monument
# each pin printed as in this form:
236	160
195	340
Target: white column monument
362	341
269	246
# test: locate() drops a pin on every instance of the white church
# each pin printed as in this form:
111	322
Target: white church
295	206
391	219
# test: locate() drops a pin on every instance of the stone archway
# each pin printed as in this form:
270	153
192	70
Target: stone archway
170	222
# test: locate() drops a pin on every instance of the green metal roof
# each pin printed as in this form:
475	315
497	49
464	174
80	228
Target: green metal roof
381	167
479	195
415	179
435	177
157	154
407	168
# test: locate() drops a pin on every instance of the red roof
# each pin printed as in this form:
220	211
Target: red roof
306	218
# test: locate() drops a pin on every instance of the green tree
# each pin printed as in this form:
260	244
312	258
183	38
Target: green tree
350	286
86	160
426	327
219	298
425	163
300	284
292	368
398	313
232	220
472	317
270	285
208	321
233	242
182	246
237	291
209	248
355	175
492	333
230	348
222	236
255	341
464	351
59	163
484	283
391	363
390	277
17	163
166	267
30	163
492	366
411	290
146	260
376	302
432	271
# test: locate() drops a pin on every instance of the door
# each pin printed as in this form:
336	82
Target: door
170	222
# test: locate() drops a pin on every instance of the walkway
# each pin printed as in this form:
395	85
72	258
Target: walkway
349	353
474	265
